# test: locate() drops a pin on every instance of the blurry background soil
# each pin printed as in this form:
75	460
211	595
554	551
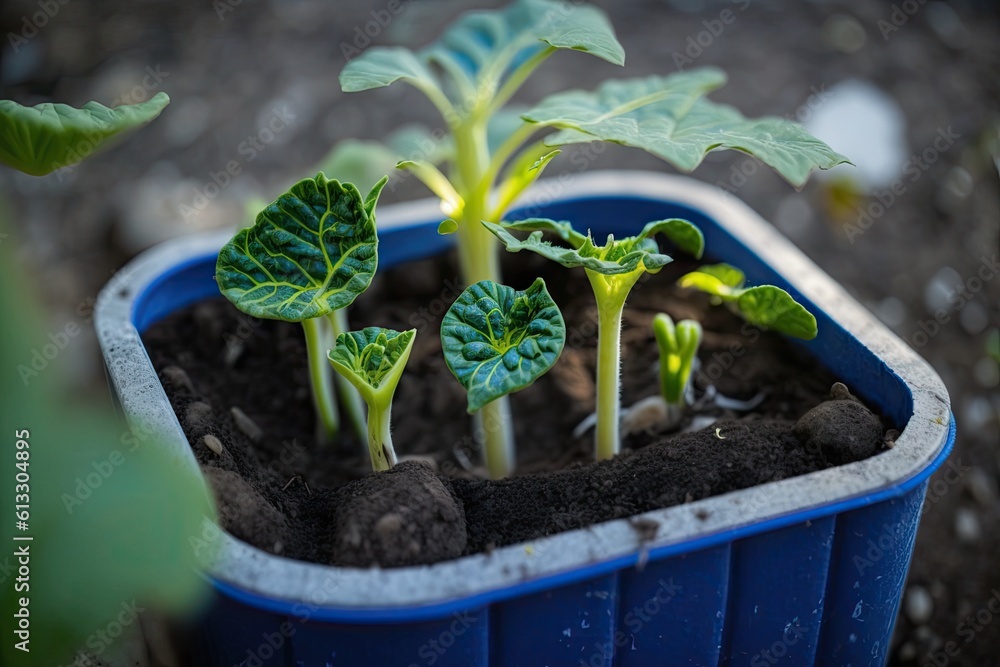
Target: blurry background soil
909	74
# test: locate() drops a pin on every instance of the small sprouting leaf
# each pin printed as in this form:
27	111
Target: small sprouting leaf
765	306
678	347
497	340
669	117
771	307
714	280
683	234
447	226
310	252
373	359
40	139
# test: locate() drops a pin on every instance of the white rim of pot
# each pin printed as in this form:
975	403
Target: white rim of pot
259	573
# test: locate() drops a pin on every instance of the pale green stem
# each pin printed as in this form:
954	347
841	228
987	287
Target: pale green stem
350	398
324	400
517	79
609	335
610	292
380	448
479	260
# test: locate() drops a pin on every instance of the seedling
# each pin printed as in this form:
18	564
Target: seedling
41	139
491	151
766	306
613	269
309	255
678	349
372	360
497	340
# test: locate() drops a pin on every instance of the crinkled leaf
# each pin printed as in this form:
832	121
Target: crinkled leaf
497	340
480	48
563	230
373	359
615	257
681	127
40	139
683	234
310	252
771	307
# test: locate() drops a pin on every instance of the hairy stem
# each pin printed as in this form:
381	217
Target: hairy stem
380	448
610	293
609	334
324	399
350	399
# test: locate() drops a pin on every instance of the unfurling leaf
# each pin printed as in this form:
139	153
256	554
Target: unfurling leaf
310	252
678	347
497	340
373	359
669	117
765	306
40	139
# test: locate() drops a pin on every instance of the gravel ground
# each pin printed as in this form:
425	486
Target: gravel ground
233	67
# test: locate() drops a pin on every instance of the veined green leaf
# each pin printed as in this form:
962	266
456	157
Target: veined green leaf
38	140
669	117
384	65
563	230
373	359
497	340
615	257
683	234
481	48
310	252
771	307
765	306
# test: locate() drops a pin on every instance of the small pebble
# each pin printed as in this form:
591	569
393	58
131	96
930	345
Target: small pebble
213	443
967	527
178	377
247	425
918	605
198	415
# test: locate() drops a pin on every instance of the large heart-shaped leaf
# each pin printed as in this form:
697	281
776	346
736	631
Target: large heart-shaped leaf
373	359
480	48
40	139
497	340
765	306
669	117
310	252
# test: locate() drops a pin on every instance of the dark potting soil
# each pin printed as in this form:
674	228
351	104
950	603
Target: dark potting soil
240	388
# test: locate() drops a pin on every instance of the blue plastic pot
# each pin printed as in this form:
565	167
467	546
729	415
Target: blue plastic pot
805	571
